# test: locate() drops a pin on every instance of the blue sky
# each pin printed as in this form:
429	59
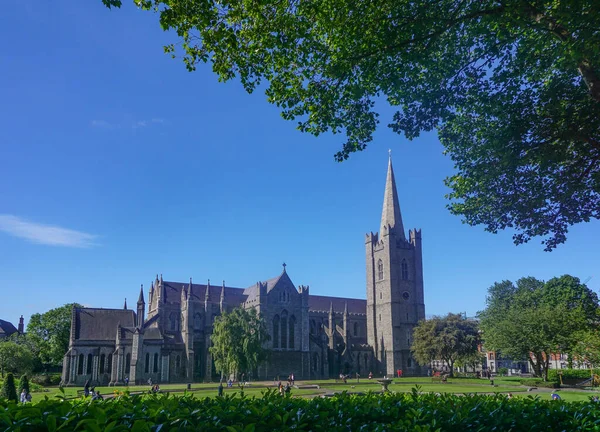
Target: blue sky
142	168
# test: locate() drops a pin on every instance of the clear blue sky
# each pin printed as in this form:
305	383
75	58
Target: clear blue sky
158	170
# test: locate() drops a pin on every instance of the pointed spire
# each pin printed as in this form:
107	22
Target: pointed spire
207	293
125	305
223	292
391	205
346	309
330	308
141	297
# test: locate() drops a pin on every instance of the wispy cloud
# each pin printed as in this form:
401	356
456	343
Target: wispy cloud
146	123
102	124
45	234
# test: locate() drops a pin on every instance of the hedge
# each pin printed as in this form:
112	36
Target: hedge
370	412
569	374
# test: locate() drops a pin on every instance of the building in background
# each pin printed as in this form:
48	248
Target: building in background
167	339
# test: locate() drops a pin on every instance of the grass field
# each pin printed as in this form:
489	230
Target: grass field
402	385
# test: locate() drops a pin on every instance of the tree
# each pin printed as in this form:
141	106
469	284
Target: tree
8	390
587	348
238	341
448	338
15	358
23	384
512	87
533	319
49	332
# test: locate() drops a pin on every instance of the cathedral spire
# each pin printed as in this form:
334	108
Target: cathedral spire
391	206
141	297
125	305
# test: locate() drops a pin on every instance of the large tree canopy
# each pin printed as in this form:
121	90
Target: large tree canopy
450	338
49	333
532	319
512	87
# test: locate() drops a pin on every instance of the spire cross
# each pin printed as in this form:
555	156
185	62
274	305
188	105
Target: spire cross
284	266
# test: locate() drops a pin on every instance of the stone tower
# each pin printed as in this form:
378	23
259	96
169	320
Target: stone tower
395	300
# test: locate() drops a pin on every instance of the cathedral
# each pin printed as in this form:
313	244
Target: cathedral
166	338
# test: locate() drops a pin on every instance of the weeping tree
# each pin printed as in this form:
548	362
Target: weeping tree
238	341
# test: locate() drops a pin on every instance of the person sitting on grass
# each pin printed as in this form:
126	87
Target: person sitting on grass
96	395
555	396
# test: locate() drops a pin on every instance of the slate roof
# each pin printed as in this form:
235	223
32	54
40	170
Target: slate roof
233	296
6	328
101	324
322	303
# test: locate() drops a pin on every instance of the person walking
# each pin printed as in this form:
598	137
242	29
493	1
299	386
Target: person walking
86	388
23	397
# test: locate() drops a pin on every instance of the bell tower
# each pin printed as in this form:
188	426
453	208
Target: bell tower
395	299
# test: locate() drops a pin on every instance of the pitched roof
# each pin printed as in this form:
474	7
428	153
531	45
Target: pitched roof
323	303
101	324
233	296
6	328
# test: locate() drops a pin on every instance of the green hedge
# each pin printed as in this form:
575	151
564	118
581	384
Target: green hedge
50	379
536	382
571	374
371	412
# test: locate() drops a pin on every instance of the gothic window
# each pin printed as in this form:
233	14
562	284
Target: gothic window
276	331
404	270
177	365
109	364
380	295
292	330
284	329
379	317
155	362
409	362
355	329
80	365
366	362
102	362
197	321
380	269
313	326
127	363
147	364
316	362
90	360
173	321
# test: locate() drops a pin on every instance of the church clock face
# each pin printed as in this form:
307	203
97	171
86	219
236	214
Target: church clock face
405	295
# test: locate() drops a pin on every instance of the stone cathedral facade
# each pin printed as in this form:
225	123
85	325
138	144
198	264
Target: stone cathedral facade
167	337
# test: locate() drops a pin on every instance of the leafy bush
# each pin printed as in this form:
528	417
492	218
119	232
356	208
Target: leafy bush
46	379
502	371
571	374
536	382
372	412
8	390
23	385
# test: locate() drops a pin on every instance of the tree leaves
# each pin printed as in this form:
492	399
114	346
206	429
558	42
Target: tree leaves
512	86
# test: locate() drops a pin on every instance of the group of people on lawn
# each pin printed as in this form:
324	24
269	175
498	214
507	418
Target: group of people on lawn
87	391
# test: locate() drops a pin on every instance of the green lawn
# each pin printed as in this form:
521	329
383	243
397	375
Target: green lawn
456	385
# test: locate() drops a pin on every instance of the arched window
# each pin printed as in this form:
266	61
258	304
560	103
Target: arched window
313	326
177	364
292	330
276	331
380	295
380	269
197	321
147	364
90	360
109	364
155	363
355	329
102	362
128	363
80	365
366	358
404	270
284	330
174	321
316	362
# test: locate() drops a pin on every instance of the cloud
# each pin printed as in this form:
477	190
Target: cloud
102	124
45	234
